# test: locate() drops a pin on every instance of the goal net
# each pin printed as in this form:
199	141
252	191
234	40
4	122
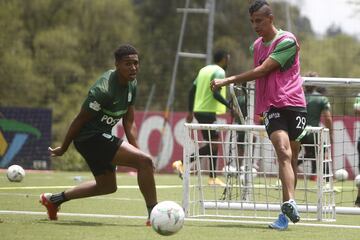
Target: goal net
249	168
249	192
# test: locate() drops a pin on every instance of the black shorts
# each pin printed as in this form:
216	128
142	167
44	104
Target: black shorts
241	138
291	121
98	152
309	150
207	118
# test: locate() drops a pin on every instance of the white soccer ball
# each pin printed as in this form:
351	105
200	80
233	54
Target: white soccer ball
230	170
253	171
15	173
167	218
341	175
357	181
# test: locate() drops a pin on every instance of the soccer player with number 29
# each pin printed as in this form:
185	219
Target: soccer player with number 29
279	99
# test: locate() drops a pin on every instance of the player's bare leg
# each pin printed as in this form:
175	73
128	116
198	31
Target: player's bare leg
287	172
295	148
281	143
103	184
130	156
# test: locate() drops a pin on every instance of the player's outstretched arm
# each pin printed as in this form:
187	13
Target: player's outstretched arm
260	71
328	123
129	126
74	129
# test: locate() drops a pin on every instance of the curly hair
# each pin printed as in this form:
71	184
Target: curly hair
124	50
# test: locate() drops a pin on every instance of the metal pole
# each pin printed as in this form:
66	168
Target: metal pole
210	35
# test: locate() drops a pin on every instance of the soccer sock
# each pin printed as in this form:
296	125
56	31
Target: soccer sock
58	198
291	200
149	208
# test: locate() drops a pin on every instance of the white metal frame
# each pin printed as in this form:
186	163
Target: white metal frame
193	198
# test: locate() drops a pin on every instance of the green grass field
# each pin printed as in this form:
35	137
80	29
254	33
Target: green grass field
122	215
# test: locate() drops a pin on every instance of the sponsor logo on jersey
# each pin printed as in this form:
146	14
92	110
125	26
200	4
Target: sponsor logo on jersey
109	120
95	106
129	97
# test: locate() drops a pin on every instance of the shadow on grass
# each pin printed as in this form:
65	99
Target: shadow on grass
86	223
260	226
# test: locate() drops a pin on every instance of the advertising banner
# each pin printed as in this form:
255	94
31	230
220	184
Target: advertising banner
25	135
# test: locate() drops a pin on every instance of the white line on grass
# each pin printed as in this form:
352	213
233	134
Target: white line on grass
97	197
56	187
187	219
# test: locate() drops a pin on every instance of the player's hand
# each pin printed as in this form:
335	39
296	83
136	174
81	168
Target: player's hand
189	117
216	84
56	152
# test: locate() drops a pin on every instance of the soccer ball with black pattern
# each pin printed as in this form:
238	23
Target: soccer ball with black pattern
15	173
167	218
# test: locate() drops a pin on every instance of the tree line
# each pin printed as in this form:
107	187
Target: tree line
52	51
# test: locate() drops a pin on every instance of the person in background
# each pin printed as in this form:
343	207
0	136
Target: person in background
318	106
357	111
205	105
279	99
109	100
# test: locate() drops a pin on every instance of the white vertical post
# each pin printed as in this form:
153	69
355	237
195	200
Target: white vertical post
186	175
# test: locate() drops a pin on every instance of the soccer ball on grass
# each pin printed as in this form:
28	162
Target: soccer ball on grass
15	173
167	218
341	175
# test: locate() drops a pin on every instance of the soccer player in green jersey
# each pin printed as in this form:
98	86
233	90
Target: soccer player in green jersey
205	105
110	99
357	111
318	106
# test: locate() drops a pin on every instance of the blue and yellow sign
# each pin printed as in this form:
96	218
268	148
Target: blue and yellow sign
25	135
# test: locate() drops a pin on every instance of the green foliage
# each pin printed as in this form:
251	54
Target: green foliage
338	58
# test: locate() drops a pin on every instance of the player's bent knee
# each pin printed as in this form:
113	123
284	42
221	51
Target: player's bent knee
146	162
113	189
109	189
283	153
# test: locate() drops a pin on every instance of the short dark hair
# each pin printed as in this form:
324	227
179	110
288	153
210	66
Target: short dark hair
220	55
124	50
256	5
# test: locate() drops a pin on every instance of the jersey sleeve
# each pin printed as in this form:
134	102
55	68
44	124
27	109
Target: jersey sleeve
219	74
251	49
325	104
95	100
284	53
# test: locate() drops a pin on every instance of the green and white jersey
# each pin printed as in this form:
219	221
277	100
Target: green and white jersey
316	104
108	101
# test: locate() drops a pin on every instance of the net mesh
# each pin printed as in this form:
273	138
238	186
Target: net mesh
253	190
249	169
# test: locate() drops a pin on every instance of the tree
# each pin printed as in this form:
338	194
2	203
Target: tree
16	63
